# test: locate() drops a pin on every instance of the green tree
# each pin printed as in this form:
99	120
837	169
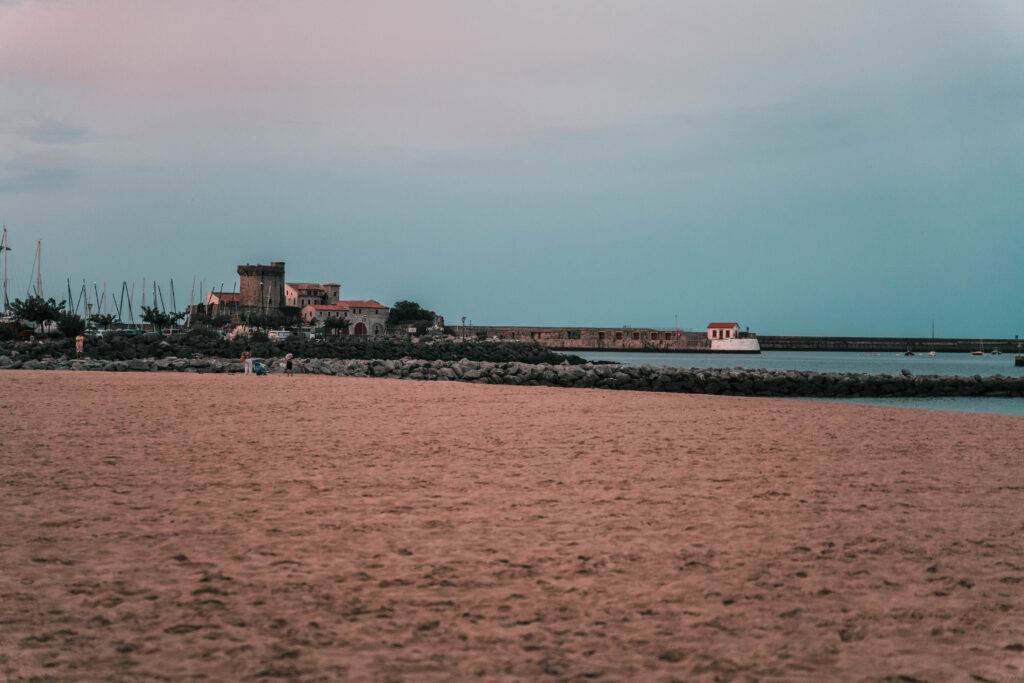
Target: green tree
104	320
335	325
285	317
37	310
158	319
70	325
405	312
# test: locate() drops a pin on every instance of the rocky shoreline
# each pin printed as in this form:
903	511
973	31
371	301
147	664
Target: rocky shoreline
729	381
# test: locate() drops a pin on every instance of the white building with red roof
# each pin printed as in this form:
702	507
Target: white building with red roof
727	337
364	316
723	331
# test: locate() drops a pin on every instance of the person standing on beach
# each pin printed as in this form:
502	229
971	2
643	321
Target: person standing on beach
247	361
79	345
288	365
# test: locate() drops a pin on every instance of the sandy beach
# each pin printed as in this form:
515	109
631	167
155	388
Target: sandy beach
179	526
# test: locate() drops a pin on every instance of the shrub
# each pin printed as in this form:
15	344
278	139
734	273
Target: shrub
70	325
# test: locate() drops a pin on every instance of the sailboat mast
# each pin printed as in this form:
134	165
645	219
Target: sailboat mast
39	268
131	312
4	248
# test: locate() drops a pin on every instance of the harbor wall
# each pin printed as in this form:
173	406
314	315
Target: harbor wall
678	341
730	381
886	344
642	339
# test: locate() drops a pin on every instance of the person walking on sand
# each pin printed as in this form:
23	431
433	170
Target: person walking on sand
247	361
288	365
79	346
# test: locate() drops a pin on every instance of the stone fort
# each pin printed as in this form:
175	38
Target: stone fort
261	288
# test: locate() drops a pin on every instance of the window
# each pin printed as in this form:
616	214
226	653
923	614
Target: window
618	335
636	335
600	335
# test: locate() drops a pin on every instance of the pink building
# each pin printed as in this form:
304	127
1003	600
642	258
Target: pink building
302	294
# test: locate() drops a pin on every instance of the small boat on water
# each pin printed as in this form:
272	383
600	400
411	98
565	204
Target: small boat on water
908	352
931	354
977	353
996	352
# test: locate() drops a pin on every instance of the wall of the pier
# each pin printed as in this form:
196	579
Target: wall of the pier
594	338
885	344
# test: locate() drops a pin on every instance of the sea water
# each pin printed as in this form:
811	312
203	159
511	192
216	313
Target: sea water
871	363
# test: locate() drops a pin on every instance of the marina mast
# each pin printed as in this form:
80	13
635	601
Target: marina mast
39	268
4	248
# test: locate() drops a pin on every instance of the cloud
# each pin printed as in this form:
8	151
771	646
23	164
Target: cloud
38	172
46	131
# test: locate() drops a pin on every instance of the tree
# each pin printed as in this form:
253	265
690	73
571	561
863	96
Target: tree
70	325
104	320
405	312
265	321
158	319
199	317
334	325
37	310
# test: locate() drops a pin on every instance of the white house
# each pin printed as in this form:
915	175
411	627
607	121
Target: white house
726	337
723	331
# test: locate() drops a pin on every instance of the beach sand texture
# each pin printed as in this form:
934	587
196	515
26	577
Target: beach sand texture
159	526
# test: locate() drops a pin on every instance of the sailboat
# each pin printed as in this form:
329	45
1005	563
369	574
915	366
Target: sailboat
980	351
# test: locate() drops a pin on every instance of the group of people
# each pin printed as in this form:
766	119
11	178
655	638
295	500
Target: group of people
249	367
248	362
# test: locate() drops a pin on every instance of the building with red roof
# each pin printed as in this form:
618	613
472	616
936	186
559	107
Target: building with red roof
302	294
365	316
723	330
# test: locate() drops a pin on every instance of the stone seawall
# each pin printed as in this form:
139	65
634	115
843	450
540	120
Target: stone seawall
886	344
741	382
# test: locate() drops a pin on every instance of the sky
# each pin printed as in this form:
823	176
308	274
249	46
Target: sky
840	168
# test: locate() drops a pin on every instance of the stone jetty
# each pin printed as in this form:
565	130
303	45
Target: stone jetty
730	381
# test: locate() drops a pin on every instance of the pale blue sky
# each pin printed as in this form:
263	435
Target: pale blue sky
800	167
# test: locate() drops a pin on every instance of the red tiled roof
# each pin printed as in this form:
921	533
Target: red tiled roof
362	303
305	285
227	297
722	326
329	307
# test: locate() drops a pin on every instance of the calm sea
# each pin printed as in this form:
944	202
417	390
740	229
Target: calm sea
869	363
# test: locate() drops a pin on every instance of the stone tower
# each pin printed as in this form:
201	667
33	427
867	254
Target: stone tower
261	288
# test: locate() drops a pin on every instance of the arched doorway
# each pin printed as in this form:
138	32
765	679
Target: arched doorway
360	329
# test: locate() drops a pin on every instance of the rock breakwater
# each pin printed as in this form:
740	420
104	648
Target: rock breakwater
735	381
118	346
